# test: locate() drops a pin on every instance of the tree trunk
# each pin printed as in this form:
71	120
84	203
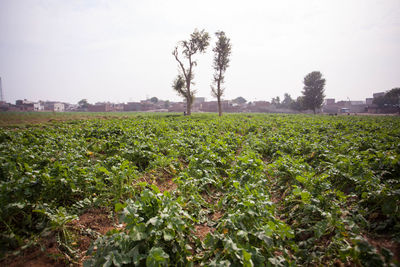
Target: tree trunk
314	110
188	107
219	106
219	93
188	95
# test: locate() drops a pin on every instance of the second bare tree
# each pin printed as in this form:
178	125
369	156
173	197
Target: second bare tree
222	51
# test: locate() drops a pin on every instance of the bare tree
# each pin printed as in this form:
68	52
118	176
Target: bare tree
222	52
198	43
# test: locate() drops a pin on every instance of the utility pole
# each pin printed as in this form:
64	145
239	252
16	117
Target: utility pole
1	93
349	106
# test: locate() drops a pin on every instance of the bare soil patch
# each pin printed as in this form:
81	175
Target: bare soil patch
216	215
385	242
202	230
92	221
160	178
166	184
50	255
90	225
95	219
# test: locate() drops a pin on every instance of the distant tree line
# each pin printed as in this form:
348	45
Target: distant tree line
312	95
390	99
239	100
83	104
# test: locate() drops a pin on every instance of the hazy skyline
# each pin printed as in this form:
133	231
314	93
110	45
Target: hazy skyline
120	50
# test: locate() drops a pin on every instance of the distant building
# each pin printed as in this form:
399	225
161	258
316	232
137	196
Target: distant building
344	106
209	106
226	106
368	101
118	107
147	105
176	107
357	102
343	103
199	100
330	106
52	106
24	105
71	107
261	106
376	95
97	108
4	106
23	102
331	109
38	107
100	107
58	107
329	101
198	104
132	106
48	105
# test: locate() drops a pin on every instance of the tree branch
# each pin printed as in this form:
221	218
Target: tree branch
175	53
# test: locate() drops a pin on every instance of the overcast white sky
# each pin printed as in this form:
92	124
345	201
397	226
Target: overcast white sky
120	50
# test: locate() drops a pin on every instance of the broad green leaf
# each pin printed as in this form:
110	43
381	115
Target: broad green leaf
168	235
120	206
389	207
247	262
157	257
138	232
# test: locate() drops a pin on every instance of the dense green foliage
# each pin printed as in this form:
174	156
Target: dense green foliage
278	190
313	91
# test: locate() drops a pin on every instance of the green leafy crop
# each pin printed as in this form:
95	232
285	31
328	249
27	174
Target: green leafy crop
243	190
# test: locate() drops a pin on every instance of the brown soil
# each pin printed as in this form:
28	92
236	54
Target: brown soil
93	221
35	257
166	184
202	230
385	242
216	215
211	195
207	198
160	178
276	196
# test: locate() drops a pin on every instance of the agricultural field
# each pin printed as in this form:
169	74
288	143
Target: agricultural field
172	190
21	118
